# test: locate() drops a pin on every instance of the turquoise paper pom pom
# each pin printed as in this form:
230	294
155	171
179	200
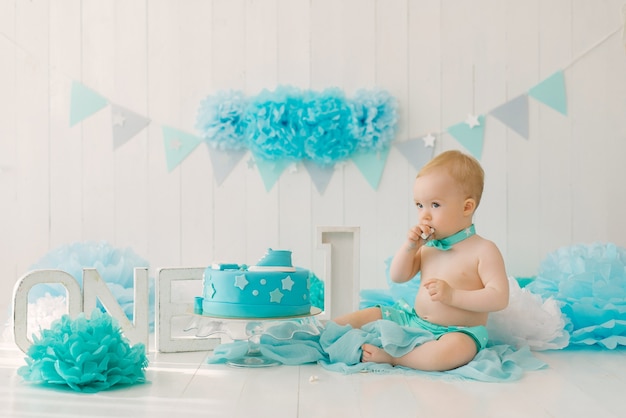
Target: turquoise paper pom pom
115	266
374	119
273	125
221	120
589	282
289	124
88	355
326	126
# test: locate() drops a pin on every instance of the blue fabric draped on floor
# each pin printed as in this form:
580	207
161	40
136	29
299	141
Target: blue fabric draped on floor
338	348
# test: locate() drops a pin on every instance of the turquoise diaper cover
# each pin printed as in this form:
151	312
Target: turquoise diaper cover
403	314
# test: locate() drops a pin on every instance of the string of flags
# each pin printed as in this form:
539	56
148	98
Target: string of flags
178	144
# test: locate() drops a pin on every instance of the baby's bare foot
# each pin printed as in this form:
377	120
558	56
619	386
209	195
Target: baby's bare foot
374	354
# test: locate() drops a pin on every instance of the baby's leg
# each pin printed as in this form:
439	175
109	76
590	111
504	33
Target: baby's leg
448	352
359	318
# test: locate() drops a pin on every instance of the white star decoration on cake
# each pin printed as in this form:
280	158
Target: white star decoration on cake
429	140
240	281
472	121
276	295
287	283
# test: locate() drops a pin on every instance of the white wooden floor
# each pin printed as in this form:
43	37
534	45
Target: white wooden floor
578	383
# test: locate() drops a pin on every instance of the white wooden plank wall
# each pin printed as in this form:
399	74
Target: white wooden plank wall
442	60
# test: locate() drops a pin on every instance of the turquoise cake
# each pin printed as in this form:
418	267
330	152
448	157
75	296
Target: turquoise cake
273	288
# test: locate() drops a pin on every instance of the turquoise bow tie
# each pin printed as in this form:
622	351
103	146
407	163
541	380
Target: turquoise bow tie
445	244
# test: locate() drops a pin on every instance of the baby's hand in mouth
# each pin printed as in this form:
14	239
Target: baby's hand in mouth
426	235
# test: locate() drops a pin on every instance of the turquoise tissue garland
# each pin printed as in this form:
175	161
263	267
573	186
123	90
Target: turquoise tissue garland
291	124
88	355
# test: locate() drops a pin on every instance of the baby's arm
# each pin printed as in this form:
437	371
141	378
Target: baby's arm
494	296
406	261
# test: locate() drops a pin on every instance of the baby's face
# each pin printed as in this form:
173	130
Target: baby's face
440	203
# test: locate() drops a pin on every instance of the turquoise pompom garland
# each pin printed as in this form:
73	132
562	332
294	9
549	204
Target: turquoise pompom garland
292	124
88	355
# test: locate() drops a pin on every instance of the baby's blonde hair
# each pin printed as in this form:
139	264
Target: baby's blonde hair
464	169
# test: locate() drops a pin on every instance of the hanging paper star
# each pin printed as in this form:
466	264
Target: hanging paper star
471	138
240	281
472	121
293	168
287	283
276	296
118	119
250	163
429	140
125	124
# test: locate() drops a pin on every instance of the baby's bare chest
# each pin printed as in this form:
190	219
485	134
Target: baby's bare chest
459	270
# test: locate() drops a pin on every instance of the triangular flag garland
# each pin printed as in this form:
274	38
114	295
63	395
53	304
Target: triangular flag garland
224	162
178	146
470	135
371	165
378	127
514	114
551	92
84	102
271	170
320	175
417	151
125	124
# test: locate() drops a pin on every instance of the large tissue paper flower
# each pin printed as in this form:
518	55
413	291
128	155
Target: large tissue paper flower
589	281
326	127
273	125
221	120
88	355
374	119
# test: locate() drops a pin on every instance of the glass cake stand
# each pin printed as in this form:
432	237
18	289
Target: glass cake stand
208	326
